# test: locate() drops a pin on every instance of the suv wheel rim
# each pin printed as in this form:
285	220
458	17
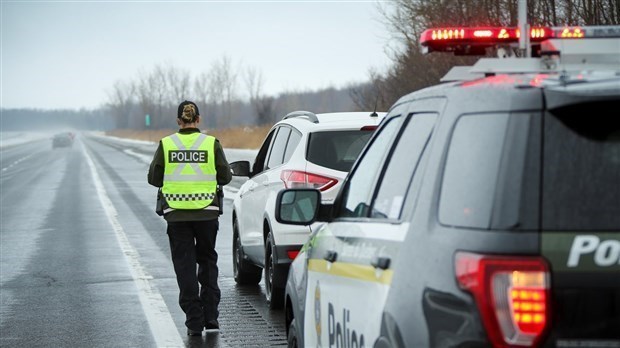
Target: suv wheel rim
237	253
236	249
269	273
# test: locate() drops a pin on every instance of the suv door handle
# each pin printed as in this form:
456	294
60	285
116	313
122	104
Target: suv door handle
330	256
382	262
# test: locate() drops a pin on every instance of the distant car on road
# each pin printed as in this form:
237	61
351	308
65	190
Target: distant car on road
302	150
64	139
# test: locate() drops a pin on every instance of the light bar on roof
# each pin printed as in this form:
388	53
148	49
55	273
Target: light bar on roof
480	35
476	39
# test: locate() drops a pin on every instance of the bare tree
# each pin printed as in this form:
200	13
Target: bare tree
203	95
146	94
223	86
160	89
254	82
120	102
178	83
266	109
262	105
371	95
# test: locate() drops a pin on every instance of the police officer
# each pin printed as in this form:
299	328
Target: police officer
188	166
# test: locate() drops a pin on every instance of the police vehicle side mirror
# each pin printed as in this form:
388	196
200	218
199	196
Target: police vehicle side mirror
240	168
298	206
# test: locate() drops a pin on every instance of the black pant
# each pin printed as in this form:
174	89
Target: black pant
191	243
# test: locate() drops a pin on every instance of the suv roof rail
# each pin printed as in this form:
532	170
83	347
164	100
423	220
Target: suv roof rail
460	73
307	114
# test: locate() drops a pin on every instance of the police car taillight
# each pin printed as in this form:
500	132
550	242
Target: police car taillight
301	179
511	293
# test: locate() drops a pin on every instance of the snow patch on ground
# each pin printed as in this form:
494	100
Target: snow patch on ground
123	140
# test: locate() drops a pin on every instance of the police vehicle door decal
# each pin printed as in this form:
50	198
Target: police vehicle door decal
582	251
346	293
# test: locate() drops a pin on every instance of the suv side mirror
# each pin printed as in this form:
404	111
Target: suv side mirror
240	168
298	206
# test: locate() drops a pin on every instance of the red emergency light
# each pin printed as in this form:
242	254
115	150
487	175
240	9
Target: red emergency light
493	34
455	39
465	39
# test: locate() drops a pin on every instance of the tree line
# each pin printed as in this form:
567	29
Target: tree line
226	94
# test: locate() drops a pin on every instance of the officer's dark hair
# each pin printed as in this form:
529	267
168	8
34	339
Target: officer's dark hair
188	112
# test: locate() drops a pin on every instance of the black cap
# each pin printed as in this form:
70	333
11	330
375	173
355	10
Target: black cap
182	107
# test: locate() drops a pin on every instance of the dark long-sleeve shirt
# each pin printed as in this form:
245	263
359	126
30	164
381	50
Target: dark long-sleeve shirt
223	177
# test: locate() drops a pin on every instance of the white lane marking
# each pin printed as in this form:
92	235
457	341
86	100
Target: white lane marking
16	162
160	321
141	157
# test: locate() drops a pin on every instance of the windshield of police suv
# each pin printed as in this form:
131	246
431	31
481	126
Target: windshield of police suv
581	174
336	149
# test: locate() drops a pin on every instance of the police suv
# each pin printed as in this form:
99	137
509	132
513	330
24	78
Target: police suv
483	212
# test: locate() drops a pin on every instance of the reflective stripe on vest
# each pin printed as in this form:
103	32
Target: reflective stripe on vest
189	173
188	197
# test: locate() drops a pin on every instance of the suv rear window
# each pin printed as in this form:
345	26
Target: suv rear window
471	172
491	178
336	149
581	168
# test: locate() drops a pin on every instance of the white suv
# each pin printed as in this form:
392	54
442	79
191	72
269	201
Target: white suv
302	150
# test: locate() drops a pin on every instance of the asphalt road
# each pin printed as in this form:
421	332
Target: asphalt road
85	261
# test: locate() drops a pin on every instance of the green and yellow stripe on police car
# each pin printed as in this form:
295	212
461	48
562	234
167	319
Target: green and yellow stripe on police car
366	273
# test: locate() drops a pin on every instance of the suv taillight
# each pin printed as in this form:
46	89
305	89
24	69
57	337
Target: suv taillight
512	295
297	179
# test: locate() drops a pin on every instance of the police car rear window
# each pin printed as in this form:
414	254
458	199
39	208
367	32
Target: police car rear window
581	168
336	149
471	170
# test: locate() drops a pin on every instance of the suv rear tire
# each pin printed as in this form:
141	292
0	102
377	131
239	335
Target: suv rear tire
245	273
275	295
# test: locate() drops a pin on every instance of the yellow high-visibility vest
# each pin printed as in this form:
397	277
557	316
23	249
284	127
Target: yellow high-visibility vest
189	175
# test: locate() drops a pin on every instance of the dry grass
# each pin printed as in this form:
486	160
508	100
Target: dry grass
234	138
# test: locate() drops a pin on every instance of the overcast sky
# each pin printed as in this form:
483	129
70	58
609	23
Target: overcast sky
69	54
